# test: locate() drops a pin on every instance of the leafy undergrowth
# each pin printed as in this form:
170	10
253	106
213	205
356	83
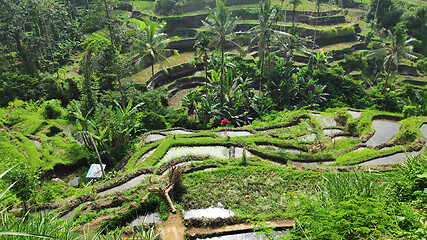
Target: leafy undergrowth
359	206
26	135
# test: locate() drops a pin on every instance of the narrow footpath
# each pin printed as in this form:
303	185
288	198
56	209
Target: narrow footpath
173	228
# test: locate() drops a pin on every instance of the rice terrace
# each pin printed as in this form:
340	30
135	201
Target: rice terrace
213	119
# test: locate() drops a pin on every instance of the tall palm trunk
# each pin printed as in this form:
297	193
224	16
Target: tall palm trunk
386	78
293	14
261	59
222	74
112	39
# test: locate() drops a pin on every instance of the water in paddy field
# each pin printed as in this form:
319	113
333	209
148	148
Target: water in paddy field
234	133
177	132
214	151
354	114
331	131
308	137
154	137
145	156
398	157
238	152
127	185
144	219
325	121
384	130
210	213
37	143
248	236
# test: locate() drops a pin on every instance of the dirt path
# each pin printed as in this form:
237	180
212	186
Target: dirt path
242	227
173	228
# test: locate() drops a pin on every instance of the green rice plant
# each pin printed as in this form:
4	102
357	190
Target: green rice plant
146	233
338	187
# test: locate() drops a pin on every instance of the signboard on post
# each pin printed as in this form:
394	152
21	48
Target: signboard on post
95	171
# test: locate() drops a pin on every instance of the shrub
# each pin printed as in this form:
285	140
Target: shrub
152	121
422	66
411	182
409	111
164	7
52	109
16	86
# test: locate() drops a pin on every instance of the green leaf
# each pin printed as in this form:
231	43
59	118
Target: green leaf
23	234
424	175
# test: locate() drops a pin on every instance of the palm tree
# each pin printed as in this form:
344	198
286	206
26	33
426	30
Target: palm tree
150	45
400	47
220	23
202	46
294	3
318	2
263	33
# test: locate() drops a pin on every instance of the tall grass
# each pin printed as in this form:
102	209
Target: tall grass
340	186
35	227
140	233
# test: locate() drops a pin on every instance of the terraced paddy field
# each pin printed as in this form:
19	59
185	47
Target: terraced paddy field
231	175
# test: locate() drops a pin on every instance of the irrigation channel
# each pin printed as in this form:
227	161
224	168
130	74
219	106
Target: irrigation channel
384	131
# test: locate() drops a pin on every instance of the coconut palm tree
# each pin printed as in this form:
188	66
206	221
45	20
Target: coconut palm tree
202	46
221	25
263	33
318	2
294	3
400	47
150	45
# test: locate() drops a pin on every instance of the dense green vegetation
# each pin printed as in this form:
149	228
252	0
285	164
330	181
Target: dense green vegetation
91	81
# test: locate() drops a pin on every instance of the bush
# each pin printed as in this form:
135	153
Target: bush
164	7
152	121
52	109
409	111
15	86
422	66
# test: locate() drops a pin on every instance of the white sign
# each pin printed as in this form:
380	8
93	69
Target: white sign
95	171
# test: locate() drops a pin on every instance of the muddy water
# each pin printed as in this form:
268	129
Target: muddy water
211	212
154	137
325	121
248	236
214	151
395	158
308	137
144	219
177	132
354	114
238	152
37	143
384	130
285	150
234	133
129	184
145	156
331	131
398	157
